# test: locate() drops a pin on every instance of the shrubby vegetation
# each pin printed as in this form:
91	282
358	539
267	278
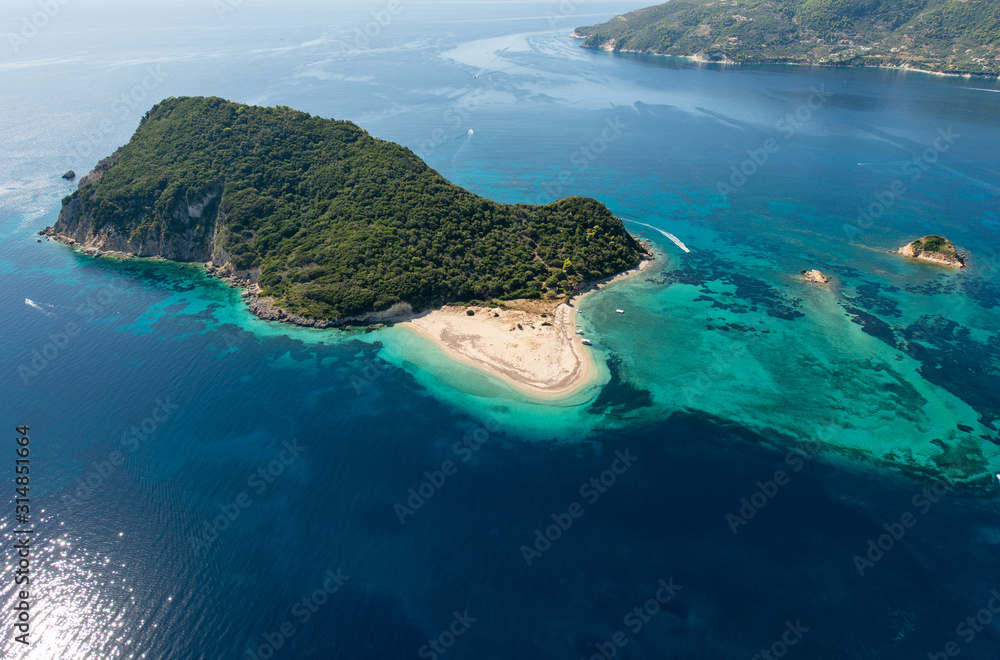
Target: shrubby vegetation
341	223
935	243
960	36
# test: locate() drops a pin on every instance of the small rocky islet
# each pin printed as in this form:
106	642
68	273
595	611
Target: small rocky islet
934	249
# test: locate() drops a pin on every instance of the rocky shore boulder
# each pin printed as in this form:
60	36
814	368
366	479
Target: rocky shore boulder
814	276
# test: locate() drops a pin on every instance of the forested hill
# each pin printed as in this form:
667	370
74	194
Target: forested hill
337	222
954	36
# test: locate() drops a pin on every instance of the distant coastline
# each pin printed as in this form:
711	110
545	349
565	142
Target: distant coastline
930	36
700	58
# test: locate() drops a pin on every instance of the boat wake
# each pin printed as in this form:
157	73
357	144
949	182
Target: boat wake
32	303
676	240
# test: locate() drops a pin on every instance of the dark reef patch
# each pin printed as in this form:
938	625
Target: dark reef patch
618	395
752	295
986	294
867	296
950	357
873	325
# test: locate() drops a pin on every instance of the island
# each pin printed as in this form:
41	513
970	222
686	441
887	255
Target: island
814	276
324	225
941	36
934	249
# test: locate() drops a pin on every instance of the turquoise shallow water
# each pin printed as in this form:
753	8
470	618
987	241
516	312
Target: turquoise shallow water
722	362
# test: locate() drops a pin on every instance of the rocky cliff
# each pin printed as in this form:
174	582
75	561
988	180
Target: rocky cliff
187	234
193	236
934	249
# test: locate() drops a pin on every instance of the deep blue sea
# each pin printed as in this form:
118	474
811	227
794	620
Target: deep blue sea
767	469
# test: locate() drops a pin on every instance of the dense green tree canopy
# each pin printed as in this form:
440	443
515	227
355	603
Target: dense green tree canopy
340	222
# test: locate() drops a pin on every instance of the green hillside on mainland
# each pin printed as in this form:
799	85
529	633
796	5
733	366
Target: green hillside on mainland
952	36
338	222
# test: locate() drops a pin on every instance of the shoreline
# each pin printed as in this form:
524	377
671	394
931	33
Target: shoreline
540	356
581	372
546	360
567	370
263	307
698	58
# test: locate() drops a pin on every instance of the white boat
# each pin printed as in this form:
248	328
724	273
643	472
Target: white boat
579	332
620	311
998	476
586	342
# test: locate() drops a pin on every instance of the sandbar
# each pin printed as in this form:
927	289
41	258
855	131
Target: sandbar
531	345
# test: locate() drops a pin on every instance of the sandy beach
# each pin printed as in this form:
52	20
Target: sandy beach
530	344
514	345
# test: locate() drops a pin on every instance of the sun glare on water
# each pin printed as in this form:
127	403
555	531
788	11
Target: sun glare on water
79	605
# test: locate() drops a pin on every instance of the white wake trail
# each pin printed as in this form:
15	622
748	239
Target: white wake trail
676	240
32	303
